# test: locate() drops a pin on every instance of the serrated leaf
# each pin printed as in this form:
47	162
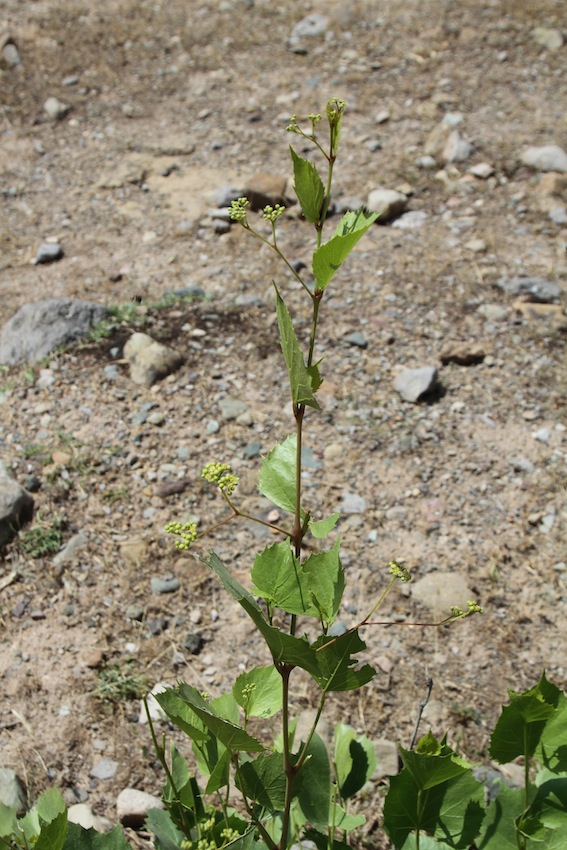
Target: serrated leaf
52	814
299	377
429	768
276	480
165	834
233	737
180	714
315	375
328	258
308	187
326	582
79	838
263	780
230	584
450	811
259	691
551	750
498	830
280	580
322	527
8	820
521	725
355	760
336	664
313	785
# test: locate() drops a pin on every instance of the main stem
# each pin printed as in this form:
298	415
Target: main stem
290	771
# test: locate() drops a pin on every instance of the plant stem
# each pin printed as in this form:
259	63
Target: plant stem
290	769
315	316
270	843
303	754
298	412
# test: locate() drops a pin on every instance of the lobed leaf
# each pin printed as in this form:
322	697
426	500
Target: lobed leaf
300	381
328	258
263	780
335	662
322	527
276	480
259	691
308	187
326	582
281	581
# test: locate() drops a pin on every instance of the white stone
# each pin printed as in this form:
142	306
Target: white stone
545	158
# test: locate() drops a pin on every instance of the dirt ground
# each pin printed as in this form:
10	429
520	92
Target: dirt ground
170	102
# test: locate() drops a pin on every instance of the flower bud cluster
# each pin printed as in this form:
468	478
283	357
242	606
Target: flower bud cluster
186	531
221	474
272	213
237	210
473	608
399	571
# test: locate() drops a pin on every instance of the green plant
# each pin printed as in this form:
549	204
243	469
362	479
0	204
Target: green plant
119	683
42	539
292	788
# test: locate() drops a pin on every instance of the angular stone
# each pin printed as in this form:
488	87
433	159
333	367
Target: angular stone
456	148
83	815
462	353
132	807
413	384
12	792
311	26
105	768
387	759
545	158
549	317
16	507
48	252
388	202
548	37
149	360
232	408
482	170
440	590
532	288
55	109
263	189
36	329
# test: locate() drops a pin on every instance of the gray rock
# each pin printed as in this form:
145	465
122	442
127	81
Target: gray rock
16	507
412	220
456	149
76	544
262	189
55	109
545	158
193	643
440	590
111	372
539	289
48	252
132	807
426	162
352	503
168	584
559	215
388	202
357	339
387	758
105	768
12	792
83	815
10	52
413	384
213	426
232	408
548	37
397	513
482	170
493	312
224	196
311	26
149	360
36	329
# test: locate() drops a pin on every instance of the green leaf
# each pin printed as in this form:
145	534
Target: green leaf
88	839
326	582
220	774
355	760
299	378
308	187
521	724
51	813
8	821
263	780
284	648
322	527
165	834
551	750
321	840
336	671
315	375
450	811
259	691
233	737
181	715
276	480
342	820
433	763
280	580
313	784
498	830
328	258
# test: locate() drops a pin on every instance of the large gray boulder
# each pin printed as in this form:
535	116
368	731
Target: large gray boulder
16	507
36	329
